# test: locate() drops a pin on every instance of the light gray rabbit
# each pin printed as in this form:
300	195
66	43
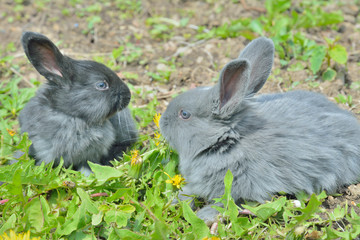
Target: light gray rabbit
80	113
287	142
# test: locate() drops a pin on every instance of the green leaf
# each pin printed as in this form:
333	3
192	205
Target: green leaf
97	218
45	209
341	99
277	6
356	231
116	53
17	187
228	184
355	85
72	223
87	201
311	208
221	229
184	22
335	234
233	210
118	217
322	195
93	20
125	234
298	66
337	214
240	225
9	224
199	227
328	18
82	235
161	231
34	214
329	75
256	27
349	100
317	58
126	208
339	54
266	210
104	173
121	192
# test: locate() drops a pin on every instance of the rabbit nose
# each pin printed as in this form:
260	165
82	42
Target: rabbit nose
126	100
125	91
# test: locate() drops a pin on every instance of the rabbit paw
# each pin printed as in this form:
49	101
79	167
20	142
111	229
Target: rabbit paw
208	215
85	170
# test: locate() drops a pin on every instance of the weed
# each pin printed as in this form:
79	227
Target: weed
126	54
91	20
129	8
342	99
161	28
283	23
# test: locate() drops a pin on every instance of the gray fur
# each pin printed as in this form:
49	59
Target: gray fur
69	117
291	142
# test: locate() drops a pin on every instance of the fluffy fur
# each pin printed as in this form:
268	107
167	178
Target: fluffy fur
80	112
291	142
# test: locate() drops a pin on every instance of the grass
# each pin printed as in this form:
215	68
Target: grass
133	199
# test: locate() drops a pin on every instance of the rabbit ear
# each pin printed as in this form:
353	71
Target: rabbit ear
233	84
260	54
43	55
244	76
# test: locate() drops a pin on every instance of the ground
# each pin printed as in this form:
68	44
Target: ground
164	58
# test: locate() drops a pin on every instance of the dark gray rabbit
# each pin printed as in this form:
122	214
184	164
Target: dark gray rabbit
80	113
291	142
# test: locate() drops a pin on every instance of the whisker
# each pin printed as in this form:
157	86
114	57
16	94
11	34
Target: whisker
130	139
141	138
128	124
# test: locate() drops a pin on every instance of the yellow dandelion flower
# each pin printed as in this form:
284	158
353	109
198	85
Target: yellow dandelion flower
19	236
11	132
176	181
157	135
135	157
211	238
135	164
157	119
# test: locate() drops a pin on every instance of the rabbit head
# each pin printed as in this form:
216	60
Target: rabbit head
196	120
78	88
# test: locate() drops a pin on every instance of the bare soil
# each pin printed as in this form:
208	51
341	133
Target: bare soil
197	62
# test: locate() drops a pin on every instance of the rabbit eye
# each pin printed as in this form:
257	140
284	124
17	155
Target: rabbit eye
102	85
184	114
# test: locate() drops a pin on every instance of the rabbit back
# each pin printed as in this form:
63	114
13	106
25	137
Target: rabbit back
306	143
